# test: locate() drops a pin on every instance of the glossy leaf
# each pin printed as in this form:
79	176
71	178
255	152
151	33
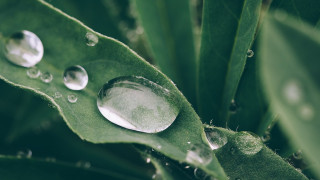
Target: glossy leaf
228	30
167	25
289	66
64	42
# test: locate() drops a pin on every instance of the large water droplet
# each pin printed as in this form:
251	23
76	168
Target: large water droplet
33	72
248	143
292	92
215	138
137	103
46	77
250	53
75	77
199	154
91	39
24	49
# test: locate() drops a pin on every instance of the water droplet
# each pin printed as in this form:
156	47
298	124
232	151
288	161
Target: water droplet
188	142
187	167
266	137
24	49
72	98
148	160
159	146
215	138
57	95
46	77
306	111
250	53
199	154
248	143
91	39
297	155
233	106
149	107
211	122
167	164
199	174
33	72
75	77
24	154
292	92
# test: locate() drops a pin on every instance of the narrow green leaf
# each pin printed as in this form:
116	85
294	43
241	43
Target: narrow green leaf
289	70
64	43
167	25
227	33
14	168
265	164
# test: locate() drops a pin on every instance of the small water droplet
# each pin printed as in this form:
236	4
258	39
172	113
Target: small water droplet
187	167
306	111
24	49
248	143
292	92
150	108
199	154
75	77
72	98
188	142
154	176
148	160
33	72
46	77
215	138
57	95
167	164
199	174
297	155
91	39
159	146
266	137
233	106
24	154
211	122
250	53
83	164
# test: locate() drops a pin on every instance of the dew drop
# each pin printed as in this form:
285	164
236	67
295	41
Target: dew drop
24	154
215	138
24	49
91	39
46	77
187	167
199	154
248	143
149	107
33	72
233	106
72	98
297	155
250	53
292	92
167	164
199	174
75	77
57	95
148	160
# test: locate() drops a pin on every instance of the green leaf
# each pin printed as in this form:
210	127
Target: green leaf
167	25
265	164
15	168
289	70
64	44
227	33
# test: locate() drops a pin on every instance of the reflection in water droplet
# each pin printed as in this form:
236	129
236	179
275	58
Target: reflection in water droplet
292	92
46	77
24	154
199	154
248	143
149	107
75	77
306	111
199	174
215	138
33	72
250	53
57	95
24	49
297	155
91	39
72	98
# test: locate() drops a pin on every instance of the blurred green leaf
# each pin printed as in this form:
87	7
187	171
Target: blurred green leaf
64	43
14	168
228	30
167	25
289	65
